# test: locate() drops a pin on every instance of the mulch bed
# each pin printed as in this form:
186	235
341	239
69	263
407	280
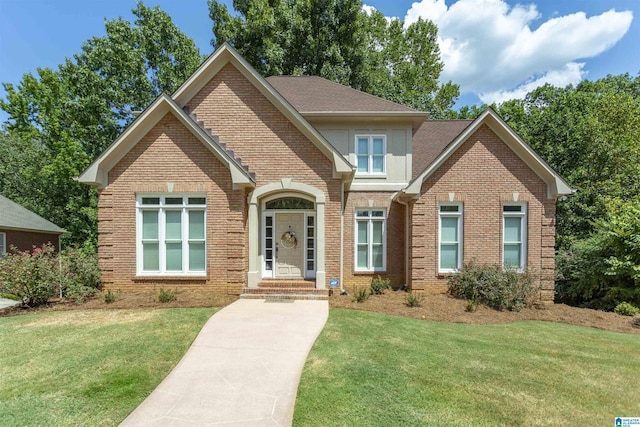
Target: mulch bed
434	307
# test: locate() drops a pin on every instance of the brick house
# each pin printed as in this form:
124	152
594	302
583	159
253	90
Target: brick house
240	184
24	229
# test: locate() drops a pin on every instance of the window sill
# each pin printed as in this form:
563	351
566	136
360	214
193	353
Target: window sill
155	277
371	175
364	272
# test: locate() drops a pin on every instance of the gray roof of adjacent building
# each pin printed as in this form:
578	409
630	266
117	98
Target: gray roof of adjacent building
15	217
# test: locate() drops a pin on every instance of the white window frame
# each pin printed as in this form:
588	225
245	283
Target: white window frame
370	155
460	238
370	219
3	244
522	214
162	208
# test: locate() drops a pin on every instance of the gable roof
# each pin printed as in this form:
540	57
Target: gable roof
15	217
317	97
227	54
556	185
97	172
430	140
315	94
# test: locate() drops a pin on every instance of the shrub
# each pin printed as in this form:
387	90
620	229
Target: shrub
109	297
167	295
626	309
493	286
360	295
33	276
379	285
470	306
414	300
81	273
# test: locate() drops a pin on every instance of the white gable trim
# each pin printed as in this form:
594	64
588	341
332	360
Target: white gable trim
226	54
97	172
556	186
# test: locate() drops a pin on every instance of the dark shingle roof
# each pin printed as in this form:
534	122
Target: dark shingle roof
431	138
315	94
14	216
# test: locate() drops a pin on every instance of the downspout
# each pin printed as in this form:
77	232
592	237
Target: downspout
341	236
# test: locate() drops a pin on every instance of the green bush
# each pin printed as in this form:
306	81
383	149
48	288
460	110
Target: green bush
414	300
34	276
360	295
379	285
626	309
81	273
167	295
109	297
491	285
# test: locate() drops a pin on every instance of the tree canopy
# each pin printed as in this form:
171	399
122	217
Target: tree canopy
338	40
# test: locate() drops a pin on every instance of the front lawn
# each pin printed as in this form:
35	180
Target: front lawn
88	367
379	370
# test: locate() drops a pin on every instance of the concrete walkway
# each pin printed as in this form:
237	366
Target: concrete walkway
243	368
6	302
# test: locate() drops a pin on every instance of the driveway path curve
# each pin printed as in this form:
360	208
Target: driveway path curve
242	369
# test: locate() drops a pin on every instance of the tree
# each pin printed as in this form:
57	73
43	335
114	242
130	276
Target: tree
75	112
338	40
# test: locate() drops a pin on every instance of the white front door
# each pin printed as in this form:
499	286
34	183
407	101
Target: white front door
289	241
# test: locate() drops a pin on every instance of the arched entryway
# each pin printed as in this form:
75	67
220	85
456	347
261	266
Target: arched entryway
286	233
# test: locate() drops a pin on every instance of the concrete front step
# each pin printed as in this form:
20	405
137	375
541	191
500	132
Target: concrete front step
288	297
284	291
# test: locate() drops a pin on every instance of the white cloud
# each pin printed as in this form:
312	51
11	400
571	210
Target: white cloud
489	48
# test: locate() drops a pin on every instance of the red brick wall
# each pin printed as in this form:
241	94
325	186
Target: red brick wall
170	153
395	235
26	240
270	144
483	173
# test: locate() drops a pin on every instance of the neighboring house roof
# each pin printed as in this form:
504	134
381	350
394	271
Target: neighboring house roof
556	186
15	217
97	172
227	54
317	97
430	140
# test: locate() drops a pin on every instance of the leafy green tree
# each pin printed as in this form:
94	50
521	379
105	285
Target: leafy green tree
604	269
73	113
338	40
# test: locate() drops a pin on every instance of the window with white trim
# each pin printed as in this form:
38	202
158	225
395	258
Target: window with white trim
371	151
171	232
370	240
3	244
514	235
450	237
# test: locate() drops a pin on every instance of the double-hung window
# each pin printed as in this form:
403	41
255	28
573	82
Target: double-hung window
171	232
450	236
3	244
370	153
370	240
514	235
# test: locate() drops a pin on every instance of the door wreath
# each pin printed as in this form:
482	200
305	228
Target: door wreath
289	239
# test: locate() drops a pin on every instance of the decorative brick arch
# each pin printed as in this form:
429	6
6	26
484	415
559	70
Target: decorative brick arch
289	186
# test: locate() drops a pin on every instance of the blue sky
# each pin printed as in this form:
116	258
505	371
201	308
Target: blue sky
495	49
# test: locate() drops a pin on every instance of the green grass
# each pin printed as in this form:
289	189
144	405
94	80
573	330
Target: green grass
369	369
88	367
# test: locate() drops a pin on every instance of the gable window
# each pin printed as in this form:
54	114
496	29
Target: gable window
370	153
171	234
3	244
514	235
370	240
450	236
